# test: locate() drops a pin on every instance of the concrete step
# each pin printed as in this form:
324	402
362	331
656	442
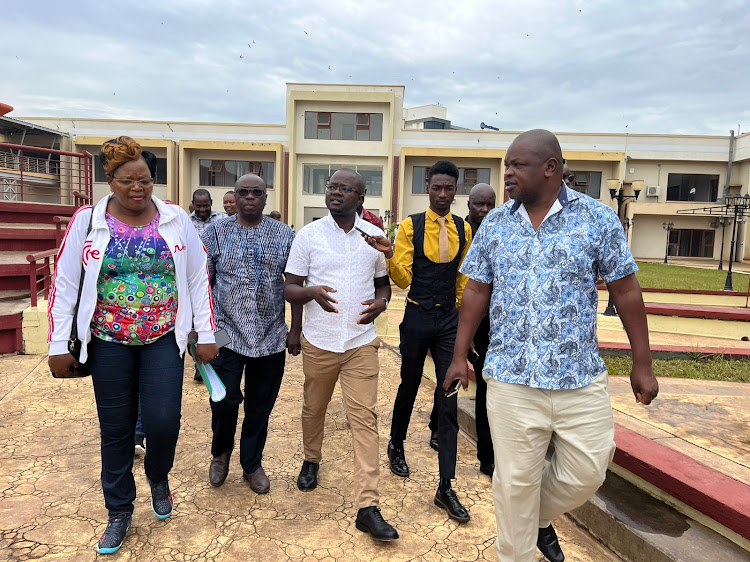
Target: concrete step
639	527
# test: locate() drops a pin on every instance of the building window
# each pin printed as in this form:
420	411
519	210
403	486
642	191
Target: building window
691	243
225	173
467	178
160	178
343	126
589	183
692	187
315	177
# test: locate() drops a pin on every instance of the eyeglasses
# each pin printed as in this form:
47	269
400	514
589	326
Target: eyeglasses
244	192
127	182
342	188
571	177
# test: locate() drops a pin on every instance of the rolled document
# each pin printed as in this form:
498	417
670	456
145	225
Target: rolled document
215	387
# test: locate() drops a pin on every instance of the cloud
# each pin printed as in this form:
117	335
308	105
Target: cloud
661	67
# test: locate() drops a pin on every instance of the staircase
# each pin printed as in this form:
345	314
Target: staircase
25	228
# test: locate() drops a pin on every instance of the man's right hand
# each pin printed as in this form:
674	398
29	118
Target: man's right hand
319	293
381	244
62	365
459	369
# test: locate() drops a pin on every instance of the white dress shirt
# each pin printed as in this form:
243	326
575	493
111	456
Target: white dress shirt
327	255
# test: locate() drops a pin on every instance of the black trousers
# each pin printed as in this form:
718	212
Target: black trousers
125	376
262	382
485	451
424	330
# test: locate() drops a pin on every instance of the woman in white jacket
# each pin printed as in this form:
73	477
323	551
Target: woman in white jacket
145	285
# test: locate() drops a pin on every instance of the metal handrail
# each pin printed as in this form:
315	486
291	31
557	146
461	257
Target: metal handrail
35	270
59	230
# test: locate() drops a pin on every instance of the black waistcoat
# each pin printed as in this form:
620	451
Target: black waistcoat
434	283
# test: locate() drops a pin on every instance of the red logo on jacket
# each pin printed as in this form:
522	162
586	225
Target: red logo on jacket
89	253
178	248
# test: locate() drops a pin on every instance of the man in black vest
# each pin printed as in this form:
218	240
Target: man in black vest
430	247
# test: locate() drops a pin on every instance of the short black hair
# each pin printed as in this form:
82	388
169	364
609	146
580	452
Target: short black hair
227	193
443	167
200	192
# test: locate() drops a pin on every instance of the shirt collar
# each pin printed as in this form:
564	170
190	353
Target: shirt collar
433	216
565	196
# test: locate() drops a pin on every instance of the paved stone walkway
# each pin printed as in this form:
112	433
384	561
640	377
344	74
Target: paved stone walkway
51	505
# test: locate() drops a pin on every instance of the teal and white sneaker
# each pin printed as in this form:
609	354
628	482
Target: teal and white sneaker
161	499
114	534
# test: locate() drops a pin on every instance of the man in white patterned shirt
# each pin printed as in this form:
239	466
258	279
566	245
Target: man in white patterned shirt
343	283
247	253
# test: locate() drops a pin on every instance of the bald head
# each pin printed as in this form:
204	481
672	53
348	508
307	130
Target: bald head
533	168
543	143
481	202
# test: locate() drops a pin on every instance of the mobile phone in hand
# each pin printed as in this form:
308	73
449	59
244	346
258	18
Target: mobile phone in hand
362	232
453	388
472	356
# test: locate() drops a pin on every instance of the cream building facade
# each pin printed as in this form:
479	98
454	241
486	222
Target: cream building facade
367	128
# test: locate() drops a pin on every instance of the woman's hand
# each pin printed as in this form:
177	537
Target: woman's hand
62	365
206	352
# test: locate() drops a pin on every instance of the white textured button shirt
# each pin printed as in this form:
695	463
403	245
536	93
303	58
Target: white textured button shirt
327	255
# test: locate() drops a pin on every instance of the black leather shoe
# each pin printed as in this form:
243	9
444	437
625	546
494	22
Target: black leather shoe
548	545
308	476
449	502
219	468
197	376
487	469
397	461
434	441
369	520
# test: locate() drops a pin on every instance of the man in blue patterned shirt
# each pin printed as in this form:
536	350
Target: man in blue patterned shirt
247	253
535	262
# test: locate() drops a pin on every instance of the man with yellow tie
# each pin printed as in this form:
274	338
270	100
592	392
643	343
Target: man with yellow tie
430	247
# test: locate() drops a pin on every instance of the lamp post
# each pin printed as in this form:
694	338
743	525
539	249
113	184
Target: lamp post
387	216
668	226
723	223
739	205
621	198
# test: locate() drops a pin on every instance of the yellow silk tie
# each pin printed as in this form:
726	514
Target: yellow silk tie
443	252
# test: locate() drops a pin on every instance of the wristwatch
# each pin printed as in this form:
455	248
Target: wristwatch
386	302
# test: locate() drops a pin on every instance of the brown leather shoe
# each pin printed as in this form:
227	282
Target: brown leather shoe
259	482
219	469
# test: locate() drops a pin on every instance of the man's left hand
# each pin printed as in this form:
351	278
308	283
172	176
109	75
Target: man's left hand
293	343
206	352
374	308
644	383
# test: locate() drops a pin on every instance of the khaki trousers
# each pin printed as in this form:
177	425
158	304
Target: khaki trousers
357	370
529	491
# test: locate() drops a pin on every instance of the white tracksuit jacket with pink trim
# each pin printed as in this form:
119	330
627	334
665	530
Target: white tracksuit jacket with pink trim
194	301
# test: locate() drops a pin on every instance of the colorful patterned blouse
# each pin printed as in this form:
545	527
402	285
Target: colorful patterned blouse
137	290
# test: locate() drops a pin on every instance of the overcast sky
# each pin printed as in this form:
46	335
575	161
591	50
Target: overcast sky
566	65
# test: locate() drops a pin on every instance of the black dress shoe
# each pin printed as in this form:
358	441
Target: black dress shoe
219	468
369	520
434	441
197	376
548	545
397	461
449	502
487	469
308	476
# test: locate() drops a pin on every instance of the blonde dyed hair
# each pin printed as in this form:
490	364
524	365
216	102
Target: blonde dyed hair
119	151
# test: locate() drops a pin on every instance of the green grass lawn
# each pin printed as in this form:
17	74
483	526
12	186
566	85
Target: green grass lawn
713	369
661	276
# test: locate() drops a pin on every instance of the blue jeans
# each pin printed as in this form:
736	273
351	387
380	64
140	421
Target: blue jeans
123	376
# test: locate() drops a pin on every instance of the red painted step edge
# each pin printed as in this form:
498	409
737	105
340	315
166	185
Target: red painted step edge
719	313
727	352
716	495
